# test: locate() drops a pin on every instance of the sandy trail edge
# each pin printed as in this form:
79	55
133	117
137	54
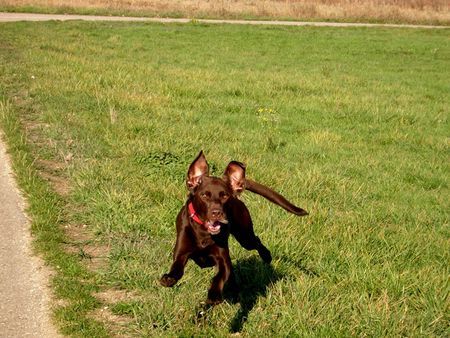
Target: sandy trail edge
24	292
11	17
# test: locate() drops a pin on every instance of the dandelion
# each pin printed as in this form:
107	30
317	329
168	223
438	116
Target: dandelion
267	115
269	119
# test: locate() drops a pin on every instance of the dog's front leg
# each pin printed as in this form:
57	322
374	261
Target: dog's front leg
176	270
224	269
183	249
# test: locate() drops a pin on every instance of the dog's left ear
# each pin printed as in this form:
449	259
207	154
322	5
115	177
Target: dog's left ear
235	176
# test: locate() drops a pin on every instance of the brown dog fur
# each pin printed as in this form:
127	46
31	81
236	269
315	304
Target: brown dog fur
211	213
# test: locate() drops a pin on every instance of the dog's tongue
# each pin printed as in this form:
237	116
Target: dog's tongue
213	227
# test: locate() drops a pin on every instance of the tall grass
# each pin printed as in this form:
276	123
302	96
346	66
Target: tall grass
410	11
351	124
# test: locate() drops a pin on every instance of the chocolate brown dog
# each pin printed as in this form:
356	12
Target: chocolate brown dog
211	213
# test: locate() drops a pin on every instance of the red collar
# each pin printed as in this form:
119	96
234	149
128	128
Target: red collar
193	214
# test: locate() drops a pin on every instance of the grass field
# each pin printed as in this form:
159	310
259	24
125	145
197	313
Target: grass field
391	11
102	120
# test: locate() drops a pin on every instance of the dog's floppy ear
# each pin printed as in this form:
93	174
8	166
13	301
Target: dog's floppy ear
197	170
235	176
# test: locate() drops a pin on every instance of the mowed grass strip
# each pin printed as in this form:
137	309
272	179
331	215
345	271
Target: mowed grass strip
351	124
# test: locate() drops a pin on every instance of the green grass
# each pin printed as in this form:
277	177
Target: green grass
351	124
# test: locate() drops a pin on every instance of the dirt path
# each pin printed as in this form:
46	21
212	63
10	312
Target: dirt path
24	293
9	17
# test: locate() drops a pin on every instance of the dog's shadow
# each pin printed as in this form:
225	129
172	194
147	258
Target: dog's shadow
254	278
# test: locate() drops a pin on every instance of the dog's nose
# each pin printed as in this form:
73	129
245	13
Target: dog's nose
216	213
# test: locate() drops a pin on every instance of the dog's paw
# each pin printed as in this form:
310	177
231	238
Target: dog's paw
214	298
214	301
265	254
167	281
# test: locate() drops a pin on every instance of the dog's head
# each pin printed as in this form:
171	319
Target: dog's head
210	194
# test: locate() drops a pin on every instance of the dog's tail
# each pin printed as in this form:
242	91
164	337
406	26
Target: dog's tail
274	197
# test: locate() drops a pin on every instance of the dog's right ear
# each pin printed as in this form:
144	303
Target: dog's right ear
197	170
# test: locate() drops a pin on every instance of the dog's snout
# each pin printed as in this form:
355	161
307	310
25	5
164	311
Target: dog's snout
216	213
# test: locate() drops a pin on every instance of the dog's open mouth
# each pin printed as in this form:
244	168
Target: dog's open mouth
214	227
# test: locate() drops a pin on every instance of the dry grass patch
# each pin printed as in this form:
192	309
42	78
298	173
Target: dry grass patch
94	255
116	325
119	325
411	11
52	172
113	296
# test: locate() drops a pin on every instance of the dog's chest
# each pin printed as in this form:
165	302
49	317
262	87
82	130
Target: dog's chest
204	242
208	241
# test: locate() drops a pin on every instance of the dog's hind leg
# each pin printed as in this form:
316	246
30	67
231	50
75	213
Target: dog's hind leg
252	242
242	230
263	252
246	237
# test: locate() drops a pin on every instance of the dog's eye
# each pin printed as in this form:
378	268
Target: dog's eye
223	195
206	195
